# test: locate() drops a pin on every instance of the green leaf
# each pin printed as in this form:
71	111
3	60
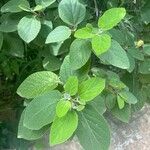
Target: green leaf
120	102
51	63
28	28
116	56
66	71
13	6
98	104
71	86
37	84
41	110
124	114
145	12
93	131
71	12
111	18
59	34
135	53
63	106
80	52
128	97
10	22
84	33
146	49
132	63
63	128
101	43
91	88
110	101
144	67
44	3
1	40
28	134
13	45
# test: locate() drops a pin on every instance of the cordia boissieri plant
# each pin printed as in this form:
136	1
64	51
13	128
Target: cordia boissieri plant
90	66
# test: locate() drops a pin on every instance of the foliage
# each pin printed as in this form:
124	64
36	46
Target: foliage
72	61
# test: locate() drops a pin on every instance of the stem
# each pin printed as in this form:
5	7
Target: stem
96	8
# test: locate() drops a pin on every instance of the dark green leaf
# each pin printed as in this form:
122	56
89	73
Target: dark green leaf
28	134
116	56
41	110
93	131
80	52
71	12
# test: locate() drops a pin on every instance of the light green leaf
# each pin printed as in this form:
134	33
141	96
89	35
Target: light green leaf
51	63
101	43
13	6
63	128
1	40
44	3
122	114
84	33
98	104
144	67
71	86
28	134
71	12
28	28
59	34
128	97
38	8
41	110
80	52
37	84
63	106
93	131
111	18
146	49
91	88
120	102
116	56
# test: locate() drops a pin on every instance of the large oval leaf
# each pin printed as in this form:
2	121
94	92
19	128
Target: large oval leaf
38	84
41	110
28	134
93	131
71	12
111	18
59	34
116	56
13	6
63	128
28	28
80	52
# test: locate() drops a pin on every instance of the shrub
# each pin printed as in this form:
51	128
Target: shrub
82	58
